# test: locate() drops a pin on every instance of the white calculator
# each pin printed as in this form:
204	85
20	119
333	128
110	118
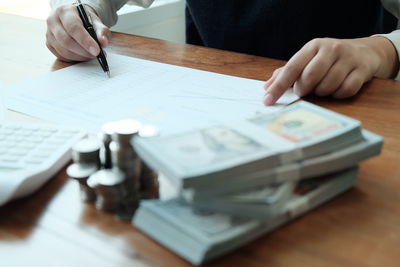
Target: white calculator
31	154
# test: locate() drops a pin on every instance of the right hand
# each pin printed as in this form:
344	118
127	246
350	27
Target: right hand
68	40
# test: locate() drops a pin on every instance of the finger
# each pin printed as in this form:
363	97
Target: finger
77	32
333	79
289	74
351	85
54	51
66	43
103	34
103	39
272	78
314	72
61	52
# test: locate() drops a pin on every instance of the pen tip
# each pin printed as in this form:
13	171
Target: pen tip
108	74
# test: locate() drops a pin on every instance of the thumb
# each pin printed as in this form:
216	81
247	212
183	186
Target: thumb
103	33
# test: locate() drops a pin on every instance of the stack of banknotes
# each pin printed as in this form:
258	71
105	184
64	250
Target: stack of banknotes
239	180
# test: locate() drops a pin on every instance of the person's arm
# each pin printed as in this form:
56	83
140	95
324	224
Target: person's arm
394	38
66	37
338	67
106	9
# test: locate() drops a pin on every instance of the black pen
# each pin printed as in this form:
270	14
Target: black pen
86	20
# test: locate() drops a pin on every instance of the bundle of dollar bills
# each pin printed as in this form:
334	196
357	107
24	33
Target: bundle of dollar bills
200	235
241	179
370	145
252	149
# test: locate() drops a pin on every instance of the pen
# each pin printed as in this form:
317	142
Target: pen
86	20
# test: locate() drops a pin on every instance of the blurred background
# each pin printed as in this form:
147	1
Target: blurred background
163	20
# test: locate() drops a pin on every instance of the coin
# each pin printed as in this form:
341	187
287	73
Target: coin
87	150
81	172
109	187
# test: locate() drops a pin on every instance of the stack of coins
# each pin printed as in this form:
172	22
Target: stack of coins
109	187
87	151
105	153
125	159
148	177
109	171
85	155
81	172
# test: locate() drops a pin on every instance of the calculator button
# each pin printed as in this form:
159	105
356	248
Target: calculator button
8	131
43	134
13	127
35	139
32	128
9	158
26	145
41	155
17	138
55	142
9	144
17	152
34	161
71	131
50	130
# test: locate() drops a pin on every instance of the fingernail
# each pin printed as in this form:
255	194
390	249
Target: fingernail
93	51
268	99
105	43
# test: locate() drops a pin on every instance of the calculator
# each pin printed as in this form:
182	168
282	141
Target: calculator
31	154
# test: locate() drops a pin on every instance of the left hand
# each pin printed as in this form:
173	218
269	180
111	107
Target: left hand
337	67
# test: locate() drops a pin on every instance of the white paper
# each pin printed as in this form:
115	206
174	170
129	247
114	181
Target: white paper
2	107
173	98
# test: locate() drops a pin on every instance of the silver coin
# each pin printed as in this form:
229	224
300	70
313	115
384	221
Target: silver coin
148	131
105	136
109	187
87	150
81	170
148	177
124	130
106	177
81	173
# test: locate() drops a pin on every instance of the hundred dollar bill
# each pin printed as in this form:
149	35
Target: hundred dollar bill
313	129
369	146
200	236
261	203
218	152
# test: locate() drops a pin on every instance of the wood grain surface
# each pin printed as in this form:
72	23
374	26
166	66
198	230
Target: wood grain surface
53	228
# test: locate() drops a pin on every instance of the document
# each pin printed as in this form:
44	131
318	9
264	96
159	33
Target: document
2	107
173	98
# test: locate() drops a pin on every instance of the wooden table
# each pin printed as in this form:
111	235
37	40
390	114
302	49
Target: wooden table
53	228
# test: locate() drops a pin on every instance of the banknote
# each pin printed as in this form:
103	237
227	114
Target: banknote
218	153
301	122
207	146
298	125
259	203
270	194
200	236
335	161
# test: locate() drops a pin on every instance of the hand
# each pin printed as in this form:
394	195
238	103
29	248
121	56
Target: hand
68	40
333	67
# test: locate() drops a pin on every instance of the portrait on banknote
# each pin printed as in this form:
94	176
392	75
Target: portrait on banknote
207	146
298	124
